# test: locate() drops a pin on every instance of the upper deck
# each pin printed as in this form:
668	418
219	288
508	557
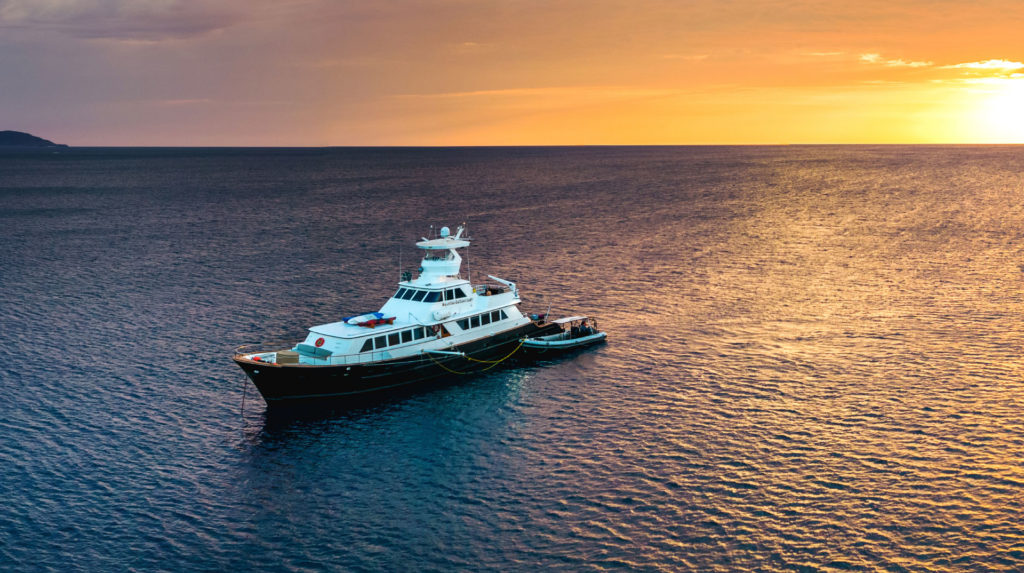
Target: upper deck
412	305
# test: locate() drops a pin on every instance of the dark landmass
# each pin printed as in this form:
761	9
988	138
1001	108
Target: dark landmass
20	139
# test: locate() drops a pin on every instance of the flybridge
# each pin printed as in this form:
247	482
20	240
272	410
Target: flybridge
445	240
440	261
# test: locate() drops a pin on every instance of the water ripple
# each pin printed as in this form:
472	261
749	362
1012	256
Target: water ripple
813	362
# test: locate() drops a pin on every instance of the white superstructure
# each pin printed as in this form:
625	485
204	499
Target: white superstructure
432	313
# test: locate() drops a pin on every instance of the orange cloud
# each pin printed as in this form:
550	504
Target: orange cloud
991	69
898	63
1002	65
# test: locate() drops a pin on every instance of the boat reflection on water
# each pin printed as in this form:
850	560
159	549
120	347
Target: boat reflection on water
465	399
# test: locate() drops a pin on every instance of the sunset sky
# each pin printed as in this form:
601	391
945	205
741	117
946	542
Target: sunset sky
512	72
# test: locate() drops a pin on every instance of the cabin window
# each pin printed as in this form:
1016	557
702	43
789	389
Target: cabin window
502	314
474	321
495	317
400	292
409	293
406	336
432	296
393	339
463	323
380	342
419	295
368	345
485	318
459	293
417	333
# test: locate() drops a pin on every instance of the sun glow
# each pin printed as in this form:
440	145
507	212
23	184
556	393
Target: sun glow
1001	113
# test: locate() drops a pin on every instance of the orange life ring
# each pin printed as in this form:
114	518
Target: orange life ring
319	342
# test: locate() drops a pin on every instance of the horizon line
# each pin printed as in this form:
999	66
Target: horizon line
508	146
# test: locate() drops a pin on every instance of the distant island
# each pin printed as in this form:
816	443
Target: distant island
10	138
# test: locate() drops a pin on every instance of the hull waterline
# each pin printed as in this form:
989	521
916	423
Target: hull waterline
291	383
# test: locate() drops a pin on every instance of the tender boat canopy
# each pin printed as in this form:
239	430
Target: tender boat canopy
569	319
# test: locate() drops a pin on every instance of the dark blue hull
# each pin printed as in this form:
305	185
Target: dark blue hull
279	383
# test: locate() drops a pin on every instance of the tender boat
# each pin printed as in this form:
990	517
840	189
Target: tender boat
574	332
436	325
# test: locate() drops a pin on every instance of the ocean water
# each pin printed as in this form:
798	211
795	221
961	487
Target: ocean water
814	361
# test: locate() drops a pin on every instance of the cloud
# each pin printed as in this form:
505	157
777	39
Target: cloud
687	57
556	91
988	71
183	102
988	65
142	20
902	64
898	63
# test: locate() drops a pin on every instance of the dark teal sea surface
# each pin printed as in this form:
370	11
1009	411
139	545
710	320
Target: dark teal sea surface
814	361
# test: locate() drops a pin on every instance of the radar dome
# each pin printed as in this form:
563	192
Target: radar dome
445	232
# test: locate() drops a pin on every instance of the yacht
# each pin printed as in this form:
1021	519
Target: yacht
435	325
